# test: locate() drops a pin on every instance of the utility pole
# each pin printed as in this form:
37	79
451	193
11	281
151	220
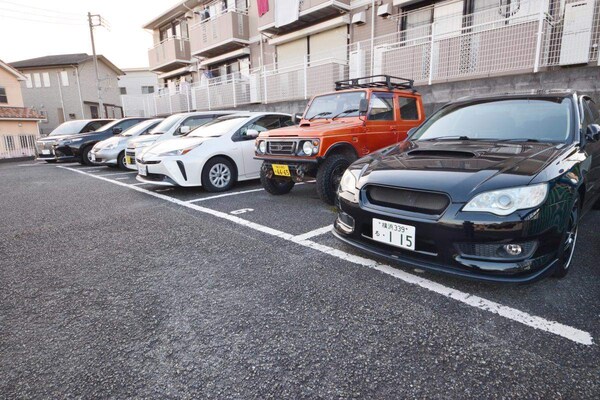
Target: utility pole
102	114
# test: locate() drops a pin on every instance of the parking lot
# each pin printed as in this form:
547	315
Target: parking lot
115	288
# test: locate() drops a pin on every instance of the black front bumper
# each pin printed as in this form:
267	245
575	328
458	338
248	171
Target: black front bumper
440	240
299	170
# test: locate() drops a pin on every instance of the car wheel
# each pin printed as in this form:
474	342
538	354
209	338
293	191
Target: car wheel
218	175
121	160
569	241
329	176
275	186
86	157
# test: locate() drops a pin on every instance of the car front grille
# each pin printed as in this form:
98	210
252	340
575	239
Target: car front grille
281	147
423	202
45	145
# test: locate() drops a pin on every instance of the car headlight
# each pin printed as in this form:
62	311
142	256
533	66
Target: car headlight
70	141
507	201
179	152
348	181
262	147
310	147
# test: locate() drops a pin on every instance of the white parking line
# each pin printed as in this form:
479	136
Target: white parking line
316	232
122	179
118	173
556	328
224	195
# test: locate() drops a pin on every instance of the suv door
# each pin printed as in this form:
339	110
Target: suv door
591	115
382	121
410	116
245	145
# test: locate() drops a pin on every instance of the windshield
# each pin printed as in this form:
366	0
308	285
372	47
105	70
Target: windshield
217	127
165	125
68	128
544	120
332	104
139	128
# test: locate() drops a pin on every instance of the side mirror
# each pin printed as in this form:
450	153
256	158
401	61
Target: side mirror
411	131
116	131
298	117
592	133
363	106
184	129
251	134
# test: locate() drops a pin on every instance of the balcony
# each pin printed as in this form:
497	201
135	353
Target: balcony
221	34
170	54
311	12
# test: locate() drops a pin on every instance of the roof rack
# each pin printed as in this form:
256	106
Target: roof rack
375	81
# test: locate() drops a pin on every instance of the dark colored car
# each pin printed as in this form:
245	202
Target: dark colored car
44	147
486	188
78	147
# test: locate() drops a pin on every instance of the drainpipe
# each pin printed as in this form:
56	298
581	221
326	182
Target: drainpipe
79	90
372	36
62	103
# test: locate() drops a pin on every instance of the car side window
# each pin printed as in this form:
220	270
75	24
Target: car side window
592	110
381	107
408	108
262	124
194	122
92	126
286	121
128	124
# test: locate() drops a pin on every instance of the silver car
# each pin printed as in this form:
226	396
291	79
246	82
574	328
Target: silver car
111	152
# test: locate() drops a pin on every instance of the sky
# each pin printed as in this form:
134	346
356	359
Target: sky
36	28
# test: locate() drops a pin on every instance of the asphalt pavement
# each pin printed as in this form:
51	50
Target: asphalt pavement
111	288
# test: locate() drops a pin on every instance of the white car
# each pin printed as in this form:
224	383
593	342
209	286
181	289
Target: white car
174	126
214	156
111	151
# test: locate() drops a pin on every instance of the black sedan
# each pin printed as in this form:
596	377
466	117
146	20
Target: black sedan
78	147
487	188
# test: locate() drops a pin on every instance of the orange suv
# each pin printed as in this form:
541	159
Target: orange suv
363	115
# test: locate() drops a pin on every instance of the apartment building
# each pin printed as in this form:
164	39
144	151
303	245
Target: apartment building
229	53
133	87
63	87
18	124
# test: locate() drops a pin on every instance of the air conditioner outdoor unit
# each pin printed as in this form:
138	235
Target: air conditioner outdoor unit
577	33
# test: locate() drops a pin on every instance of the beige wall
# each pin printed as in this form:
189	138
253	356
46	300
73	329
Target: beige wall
13	89
12	128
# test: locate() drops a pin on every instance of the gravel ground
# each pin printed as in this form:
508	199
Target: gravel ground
109	292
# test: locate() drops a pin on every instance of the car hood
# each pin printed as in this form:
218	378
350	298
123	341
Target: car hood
173	144
142	139
317	128
459	168
53	138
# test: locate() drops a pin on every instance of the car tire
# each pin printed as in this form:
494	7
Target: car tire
121	160
85	156
275	186
50	161
569	241
329	176
218	175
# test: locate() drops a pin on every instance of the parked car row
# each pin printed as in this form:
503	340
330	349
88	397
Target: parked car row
489	188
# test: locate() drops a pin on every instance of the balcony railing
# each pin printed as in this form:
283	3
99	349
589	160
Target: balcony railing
221	34
170	54
311	12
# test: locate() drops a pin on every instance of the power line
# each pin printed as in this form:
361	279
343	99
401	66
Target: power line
39	8
56	22
43	16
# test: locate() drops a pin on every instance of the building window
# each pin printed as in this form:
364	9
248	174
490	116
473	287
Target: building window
45	115
64	78
28	83
37	80
3	96
9	143
94	111
123	90
46	79
147	89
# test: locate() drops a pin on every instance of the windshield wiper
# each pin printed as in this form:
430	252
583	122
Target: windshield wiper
351	110
321	114
448	138
519	140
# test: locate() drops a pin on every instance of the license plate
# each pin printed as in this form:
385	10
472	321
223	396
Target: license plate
398	235
93	157
128	160
143	170
281	170
46	151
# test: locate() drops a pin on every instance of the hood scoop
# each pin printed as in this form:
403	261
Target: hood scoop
441	154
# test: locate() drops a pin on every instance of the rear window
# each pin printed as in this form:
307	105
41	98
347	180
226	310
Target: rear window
545	120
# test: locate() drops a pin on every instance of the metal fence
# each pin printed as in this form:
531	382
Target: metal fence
12	146
512	38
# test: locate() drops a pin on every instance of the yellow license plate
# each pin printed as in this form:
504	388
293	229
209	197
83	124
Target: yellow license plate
281	170
128	160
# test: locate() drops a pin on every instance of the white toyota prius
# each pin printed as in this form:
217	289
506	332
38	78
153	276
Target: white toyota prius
214	156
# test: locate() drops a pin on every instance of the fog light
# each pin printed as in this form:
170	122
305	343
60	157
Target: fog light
513	249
